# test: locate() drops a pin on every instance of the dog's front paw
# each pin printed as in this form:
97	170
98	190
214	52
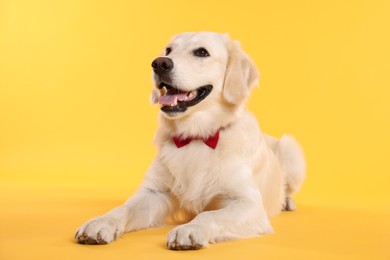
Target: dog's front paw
98	231
186	237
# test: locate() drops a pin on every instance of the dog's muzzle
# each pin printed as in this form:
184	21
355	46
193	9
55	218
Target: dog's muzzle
172	99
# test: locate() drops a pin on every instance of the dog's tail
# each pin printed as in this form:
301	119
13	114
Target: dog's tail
292	161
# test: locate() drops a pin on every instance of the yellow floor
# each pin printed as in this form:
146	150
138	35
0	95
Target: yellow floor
38	222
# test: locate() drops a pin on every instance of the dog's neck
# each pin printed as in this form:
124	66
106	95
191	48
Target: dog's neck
201	124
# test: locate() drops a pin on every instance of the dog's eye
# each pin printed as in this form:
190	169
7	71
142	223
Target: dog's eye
167	51
201	52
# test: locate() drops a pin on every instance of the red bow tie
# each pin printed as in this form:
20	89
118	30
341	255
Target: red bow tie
211	141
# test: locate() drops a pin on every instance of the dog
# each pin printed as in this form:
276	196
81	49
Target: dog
216	172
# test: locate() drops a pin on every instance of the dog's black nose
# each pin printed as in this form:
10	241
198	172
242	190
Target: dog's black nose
162	65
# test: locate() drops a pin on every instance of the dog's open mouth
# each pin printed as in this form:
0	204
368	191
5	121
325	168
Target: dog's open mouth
176	100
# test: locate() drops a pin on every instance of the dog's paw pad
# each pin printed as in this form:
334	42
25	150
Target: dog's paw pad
98	231
87	240
186	237
289	205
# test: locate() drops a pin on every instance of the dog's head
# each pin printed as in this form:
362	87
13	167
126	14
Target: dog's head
198	69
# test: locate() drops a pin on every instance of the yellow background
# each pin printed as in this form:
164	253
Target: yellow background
76	126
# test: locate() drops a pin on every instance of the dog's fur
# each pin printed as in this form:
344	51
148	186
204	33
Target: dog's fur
225	193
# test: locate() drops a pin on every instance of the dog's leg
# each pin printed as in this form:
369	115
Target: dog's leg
240	215
149	207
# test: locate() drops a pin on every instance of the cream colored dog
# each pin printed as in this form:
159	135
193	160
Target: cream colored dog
215	167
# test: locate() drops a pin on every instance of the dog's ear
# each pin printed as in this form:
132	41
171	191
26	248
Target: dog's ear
154	96
241	75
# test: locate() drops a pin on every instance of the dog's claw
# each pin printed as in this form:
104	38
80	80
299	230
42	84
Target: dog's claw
85	239
176	246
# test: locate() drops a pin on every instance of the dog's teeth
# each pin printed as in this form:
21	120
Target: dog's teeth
174	102
191	95
163	91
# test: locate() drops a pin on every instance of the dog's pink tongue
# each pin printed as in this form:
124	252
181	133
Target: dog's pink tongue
172	99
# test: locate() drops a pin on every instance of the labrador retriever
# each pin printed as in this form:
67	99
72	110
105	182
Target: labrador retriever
216	173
